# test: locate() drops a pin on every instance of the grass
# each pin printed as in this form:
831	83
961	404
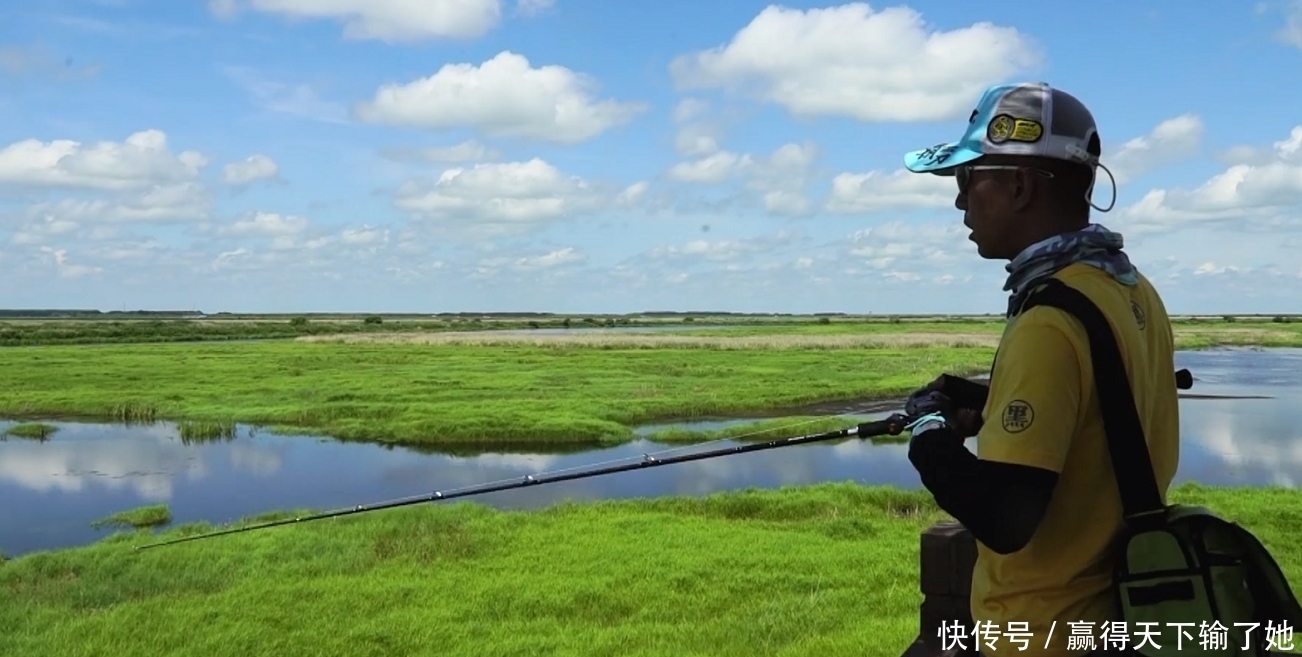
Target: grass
31	431
453	394
145	516
820	570
195	432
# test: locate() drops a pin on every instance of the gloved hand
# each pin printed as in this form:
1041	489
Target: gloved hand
929	407
924	401
959	400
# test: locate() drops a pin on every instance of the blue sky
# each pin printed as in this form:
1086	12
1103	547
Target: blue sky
584	156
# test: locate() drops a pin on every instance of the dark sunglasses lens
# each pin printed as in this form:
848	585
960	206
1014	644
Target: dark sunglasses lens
961	175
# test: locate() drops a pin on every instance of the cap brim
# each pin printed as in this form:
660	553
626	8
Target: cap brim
940	160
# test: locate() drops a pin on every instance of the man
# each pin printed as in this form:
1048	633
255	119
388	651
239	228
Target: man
1039	495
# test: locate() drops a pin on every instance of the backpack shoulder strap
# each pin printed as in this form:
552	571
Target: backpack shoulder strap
1127	445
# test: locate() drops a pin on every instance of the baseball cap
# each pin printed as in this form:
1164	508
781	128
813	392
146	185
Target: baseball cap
1024	118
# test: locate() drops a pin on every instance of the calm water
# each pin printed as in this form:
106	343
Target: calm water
52	491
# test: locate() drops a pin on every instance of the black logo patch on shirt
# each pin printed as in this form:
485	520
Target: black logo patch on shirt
1018	415
1138	312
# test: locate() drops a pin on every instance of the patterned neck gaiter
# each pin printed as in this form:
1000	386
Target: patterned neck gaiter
1094	245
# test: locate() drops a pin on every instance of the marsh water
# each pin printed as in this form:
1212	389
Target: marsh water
1247	433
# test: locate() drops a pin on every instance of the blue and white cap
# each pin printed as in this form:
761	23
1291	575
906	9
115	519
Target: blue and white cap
1027	118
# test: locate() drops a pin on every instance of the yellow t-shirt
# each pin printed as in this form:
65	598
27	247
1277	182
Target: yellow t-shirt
1043	411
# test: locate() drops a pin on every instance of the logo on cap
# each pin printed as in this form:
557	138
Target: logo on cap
937	154
1005	128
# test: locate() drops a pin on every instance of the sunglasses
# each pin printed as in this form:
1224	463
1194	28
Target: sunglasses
963	174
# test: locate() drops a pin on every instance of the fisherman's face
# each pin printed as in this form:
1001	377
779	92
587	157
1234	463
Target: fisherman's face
985	197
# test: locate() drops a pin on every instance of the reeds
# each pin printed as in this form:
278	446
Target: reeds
198	432
31	431
133	412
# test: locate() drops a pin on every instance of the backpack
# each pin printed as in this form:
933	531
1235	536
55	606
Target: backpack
1185	581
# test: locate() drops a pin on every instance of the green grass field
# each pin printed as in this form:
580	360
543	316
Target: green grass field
819	571
493	389
451	394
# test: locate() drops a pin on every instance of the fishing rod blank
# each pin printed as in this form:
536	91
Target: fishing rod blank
893	425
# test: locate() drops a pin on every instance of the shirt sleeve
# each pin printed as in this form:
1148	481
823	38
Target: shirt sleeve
1035	394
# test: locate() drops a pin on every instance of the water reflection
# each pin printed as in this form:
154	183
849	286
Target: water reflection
55	489
1233	442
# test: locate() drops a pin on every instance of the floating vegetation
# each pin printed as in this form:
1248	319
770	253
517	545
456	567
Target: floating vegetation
32	431
145	516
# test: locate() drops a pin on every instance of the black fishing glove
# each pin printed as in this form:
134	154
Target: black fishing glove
959	400
926	402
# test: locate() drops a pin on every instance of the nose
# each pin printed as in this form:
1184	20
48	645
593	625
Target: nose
960	201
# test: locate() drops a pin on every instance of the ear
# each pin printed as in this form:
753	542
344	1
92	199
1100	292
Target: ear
1025	189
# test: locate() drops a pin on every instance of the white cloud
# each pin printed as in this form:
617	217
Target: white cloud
64	267
851	61
269	224
363	235
778	179
543	264
1291	33
690	108
384	20
1211	268
223	9
557	258
533	7
859	193
724	250
160	203
509	193
503	97
1283	150
893	245
470	150
284	231
695	137
711	169
466	151
633	194
96	189
1171	140
1265	193
254	167
301	100
140	161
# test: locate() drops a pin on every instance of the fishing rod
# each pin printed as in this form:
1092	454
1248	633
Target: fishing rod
892	425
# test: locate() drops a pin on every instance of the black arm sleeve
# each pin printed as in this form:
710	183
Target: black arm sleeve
1000	503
